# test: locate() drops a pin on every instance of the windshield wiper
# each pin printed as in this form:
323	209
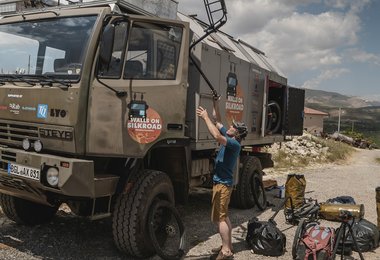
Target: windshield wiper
49	80
14	78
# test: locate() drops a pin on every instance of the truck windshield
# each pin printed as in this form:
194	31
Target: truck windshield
53	47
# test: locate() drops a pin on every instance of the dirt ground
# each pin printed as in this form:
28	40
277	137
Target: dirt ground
68	237
357	178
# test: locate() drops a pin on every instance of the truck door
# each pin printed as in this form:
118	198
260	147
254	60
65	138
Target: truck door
295	114
139	96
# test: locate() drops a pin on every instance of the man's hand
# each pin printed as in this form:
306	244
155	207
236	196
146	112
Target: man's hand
201	112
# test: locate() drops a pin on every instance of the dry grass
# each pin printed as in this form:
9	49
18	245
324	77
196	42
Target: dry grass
378	160
282	160
337	150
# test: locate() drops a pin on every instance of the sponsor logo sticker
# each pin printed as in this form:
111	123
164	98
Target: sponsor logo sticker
58	113
42	111
146	130
15	95
56	134
26	108
14	108
235	106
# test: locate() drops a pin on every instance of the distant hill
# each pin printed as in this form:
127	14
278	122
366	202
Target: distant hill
356	113
333	99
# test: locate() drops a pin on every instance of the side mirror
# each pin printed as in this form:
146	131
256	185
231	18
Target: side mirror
106	45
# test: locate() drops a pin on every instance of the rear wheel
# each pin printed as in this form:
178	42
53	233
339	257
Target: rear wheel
26	212
244	192
130	213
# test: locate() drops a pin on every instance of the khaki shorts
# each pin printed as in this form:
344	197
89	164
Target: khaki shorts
221	195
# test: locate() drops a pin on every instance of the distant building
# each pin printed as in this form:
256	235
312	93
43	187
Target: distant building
313	120
8	6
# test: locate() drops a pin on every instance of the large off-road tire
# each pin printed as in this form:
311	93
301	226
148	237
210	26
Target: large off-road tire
242	196
274	117
26	212
130	213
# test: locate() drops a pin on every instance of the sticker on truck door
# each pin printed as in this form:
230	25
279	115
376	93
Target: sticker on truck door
145	130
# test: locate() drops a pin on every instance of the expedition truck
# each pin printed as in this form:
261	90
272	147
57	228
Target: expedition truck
97	110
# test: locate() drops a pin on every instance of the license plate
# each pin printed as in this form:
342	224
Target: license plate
24	171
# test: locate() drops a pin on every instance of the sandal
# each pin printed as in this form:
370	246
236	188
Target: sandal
222	256
216	250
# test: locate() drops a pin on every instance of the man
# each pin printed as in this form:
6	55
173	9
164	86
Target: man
225	163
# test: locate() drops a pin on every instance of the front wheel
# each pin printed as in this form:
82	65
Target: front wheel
130	214
26	212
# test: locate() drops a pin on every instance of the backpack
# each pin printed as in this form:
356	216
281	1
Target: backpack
341	200
316	243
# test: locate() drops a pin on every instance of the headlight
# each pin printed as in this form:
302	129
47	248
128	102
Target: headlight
26	144
52	176
37	145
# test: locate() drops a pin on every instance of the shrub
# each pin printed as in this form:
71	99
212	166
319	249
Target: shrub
337	150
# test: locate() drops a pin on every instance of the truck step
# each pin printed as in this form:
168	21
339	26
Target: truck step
105	184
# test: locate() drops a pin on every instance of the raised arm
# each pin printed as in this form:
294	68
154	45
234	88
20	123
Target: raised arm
215	110
213	129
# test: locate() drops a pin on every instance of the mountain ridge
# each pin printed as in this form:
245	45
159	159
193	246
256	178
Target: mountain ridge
355	113
334	99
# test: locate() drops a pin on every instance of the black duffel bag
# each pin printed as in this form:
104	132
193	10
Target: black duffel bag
264	238
366	235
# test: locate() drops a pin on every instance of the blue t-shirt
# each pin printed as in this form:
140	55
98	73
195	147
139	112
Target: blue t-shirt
226	160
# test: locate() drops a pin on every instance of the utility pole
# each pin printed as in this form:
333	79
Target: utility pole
29	65
352	126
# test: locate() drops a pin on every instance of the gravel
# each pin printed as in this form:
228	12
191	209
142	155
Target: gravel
70	237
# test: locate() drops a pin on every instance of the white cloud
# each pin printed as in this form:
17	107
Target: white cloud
324	76
354	6
363	56
306	41
298	41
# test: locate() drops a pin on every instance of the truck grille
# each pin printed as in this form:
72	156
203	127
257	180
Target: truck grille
12	134
7	156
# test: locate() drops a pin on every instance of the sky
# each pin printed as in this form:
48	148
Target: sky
331	45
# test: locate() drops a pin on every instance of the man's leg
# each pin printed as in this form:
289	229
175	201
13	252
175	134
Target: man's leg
225	228
225	234
230	229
